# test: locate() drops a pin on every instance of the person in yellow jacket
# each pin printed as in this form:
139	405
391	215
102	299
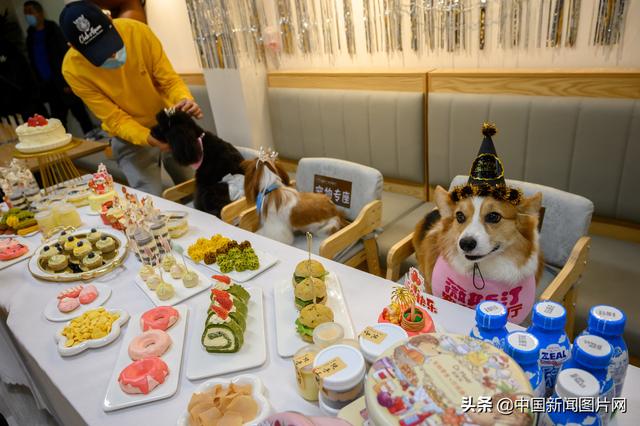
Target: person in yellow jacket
120	71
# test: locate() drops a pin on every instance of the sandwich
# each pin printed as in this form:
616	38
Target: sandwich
308	268
310	317
308	291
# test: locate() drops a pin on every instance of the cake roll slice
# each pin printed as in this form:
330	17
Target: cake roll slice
221	338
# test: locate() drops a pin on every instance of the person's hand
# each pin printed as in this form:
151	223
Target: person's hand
190	107
162	146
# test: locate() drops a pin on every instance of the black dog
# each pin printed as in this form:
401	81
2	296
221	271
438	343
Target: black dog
219	158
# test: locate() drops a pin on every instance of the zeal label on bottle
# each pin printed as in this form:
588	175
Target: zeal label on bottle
551	359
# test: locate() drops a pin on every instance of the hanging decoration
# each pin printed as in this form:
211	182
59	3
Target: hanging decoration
609	22
228	31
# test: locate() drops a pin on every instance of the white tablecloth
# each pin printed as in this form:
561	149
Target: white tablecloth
75	386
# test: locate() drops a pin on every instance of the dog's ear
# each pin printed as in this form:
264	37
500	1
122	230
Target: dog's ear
284	176
531	205
251	180
443	201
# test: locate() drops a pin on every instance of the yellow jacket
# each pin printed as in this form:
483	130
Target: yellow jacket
126	99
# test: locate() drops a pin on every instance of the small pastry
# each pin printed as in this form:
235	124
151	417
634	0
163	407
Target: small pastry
94	235
81	249
165	291
167	262
62	238
68	304
153	282
177	271
72	292
146	271
92	260
190	279
69	244
106	244
48	251
58	262
88	294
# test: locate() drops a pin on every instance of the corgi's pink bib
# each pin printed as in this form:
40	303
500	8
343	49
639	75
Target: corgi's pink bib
450	285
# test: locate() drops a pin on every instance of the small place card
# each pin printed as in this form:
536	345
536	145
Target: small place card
373	335
329	368
303	360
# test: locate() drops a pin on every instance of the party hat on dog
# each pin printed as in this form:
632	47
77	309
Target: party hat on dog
487	167
486	177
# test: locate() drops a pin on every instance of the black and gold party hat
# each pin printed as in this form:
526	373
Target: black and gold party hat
486	178
487	167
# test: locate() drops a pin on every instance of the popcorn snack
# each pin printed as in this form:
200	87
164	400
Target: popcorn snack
93	324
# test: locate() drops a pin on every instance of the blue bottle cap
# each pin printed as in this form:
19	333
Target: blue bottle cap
576	383
549	315
523	347
491	315
607	320
591	351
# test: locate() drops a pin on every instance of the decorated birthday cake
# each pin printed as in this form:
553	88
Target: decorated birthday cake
429	376
101	185
40	134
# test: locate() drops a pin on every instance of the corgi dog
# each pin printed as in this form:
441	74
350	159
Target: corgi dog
481	243
282	209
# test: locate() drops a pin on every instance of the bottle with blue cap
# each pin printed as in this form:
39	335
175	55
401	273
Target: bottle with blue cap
572	383
524	348
491	321
593	354
548	320
608	322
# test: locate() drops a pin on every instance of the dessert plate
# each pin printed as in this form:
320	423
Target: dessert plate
288	340
182	293
52	313
258	394
93	343
28	254
266	261
252	354
116	398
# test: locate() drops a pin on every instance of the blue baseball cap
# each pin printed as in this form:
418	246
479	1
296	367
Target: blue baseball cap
90	31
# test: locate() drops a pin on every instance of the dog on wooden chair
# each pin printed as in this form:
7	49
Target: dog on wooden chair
217	163
282	209
481	243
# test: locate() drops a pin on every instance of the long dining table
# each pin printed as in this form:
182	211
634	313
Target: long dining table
73	388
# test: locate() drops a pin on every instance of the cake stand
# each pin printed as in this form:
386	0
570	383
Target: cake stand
55	165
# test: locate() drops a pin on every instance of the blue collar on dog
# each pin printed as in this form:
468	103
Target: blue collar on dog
263	194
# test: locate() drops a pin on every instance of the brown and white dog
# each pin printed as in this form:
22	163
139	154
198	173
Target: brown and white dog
487	237
282	209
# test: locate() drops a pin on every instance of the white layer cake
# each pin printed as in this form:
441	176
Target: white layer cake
40	135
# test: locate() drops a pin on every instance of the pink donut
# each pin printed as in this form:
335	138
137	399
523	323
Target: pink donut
160	318
150	344
143	375
68	304
88	294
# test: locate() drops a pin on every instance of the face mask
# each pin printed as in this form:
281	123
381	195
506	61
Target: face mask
117	61
31	20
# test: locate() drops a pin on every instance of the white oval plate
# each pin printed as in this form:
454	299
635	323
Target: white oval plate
52	313
93	343
264	408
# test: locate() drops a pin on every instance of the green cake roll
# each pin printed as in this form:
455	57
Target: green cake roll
237	317
240	305
223	318
239	291
228	301
220	338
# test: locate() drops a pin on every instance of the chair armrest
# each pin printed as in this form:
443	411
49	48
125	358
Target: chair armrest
368	220
397	254
231	211
178	192
249	219
570	272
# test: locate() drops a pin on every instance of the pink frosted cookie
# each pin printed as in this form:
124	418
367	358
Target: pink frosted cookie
143	375
68	304
70	292
88	294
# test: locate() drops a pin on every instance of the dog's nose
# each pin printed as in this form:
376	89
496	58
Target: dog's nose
468	243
